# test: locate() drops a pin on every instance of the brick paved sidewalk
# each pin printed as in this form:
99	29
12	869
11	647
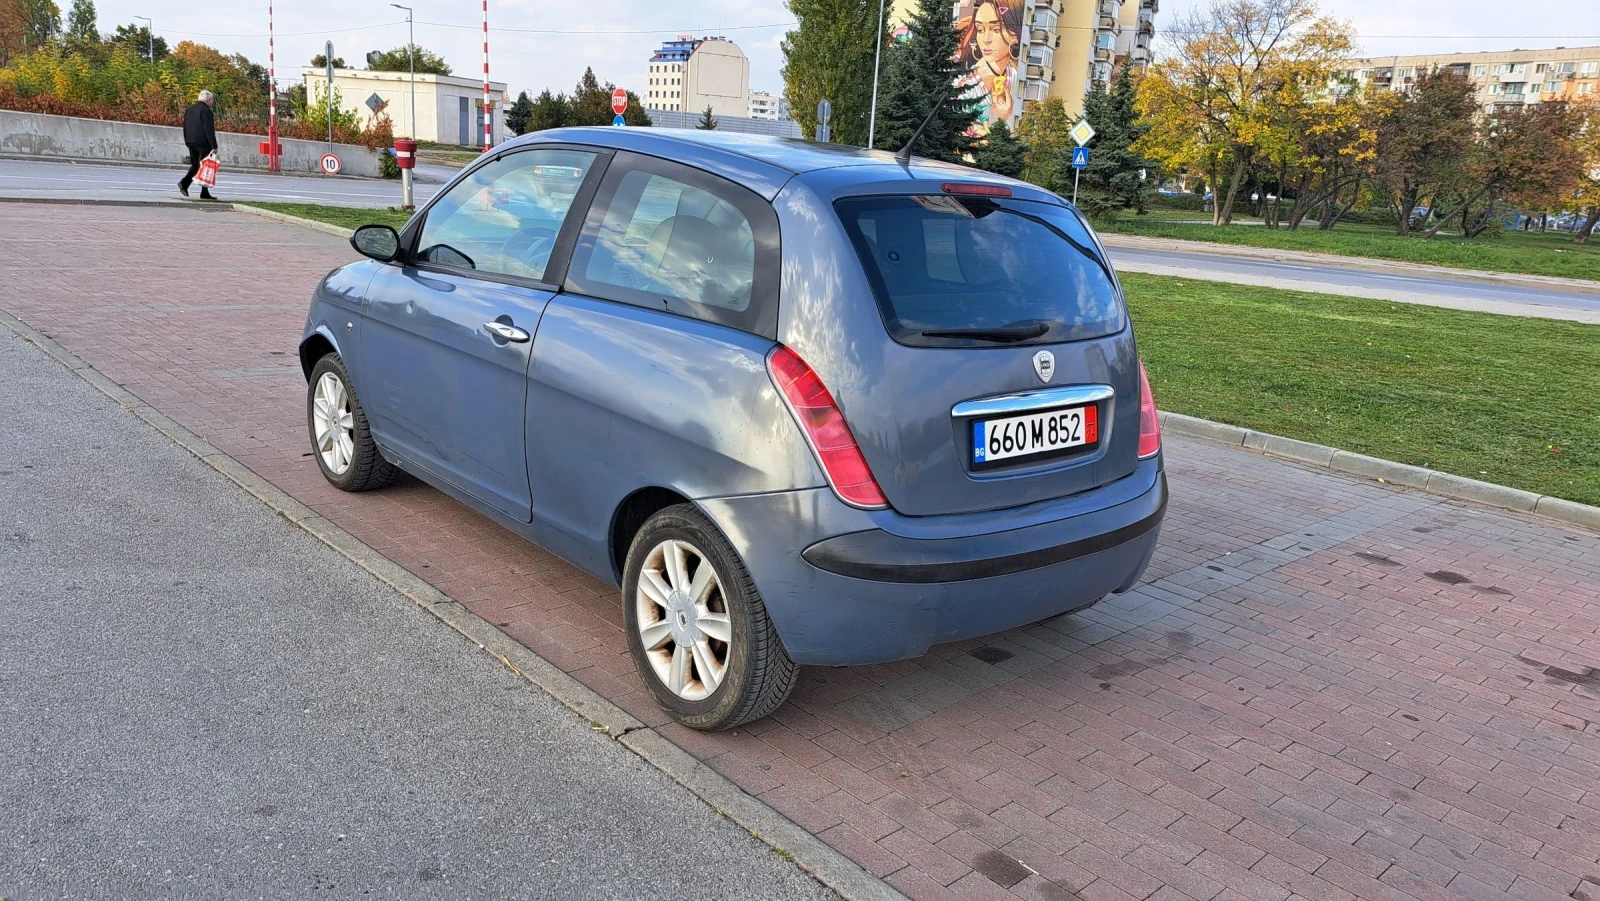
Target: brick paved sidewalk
1326	688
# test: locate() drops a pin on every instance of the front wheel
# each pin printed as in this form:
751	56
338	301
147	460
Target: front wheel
340	438
697	629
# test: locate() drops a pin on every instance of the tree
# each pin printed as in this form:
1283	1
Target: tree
1210	104
82	24
708	122
920	72
1116	176
548	111
590	103
1424	136
141	41
1585	197
1044	131
518	113
26	26
321	61
1001	152
396	60
1528	155
829	55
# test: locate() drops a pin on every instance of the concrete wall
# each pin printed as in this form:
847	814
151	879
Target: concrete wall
65	137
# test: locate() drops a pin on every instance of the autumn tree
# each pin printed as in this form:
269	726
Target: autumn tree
1585	197
1424	136
1528	155
26	26
1044	130
1211	105
829	55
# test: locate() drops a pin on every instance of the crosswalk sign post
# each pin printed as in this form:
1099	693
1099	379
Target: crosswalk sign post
1080	162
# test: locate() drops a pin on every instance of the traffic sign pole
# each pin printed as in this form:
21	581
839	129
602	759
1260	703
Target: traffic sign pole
619	105
1075	172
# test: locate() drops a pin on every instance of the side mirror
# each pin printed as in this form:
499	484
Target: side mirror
379	242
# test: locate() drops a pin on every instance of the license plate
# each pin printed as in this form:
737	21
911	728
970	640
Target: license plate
1034	434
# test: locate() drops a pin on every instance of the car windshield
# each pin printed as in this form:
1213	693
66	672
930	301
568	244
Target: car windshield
979	271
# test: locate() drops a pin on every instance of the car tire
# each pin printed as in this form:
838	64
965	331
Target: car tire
669	555
341	441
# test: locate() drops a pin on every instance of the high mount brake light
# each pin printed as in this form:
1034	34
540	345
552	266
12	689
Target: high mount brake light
956	187
1149	422
825	429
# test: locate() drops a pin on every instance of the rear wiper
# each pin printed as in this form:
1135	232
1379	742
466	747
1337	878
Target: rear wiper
1006	334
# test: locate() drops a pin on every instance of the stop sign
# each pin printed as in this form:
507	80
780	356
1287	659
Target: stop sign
619	100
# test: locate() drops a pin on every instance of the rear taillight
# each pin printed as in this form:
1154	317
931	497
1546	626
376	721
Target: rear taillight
825	429
1149	423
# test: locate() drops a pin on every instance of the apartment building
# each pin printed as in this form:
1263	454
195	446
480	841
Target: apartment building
1504	79
689	74
1057	48
768	106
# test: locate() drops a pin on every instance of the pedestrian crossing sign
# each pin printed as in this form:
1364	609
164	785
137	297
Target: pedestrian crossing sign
1080	157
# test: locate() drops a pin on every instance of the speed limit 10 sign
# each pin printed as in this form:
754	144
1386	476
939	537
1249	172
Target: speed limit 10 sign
330	164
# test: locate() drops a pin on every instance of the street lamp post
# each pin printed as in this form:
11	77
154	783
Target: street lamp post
150	31
411	60
877	56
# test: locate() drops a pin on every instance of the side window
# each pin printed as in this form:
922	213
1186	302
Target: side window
504	218
674	238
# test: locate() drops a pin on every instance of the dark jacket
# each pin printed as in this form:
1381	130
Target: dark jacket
200	126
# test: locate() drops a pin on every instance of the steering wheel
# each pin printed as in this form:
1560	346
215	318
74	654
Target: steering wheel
529	247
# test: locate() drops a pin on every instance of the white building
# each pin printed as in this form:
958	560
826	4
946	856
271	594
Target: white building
689	74
766	105
449	109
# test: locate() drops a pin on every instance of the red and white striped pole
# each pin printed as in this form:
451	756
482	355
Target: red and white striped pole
488	117
272	94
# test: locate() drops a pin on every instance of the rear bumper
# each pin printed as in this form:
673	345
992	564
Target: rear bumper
846	587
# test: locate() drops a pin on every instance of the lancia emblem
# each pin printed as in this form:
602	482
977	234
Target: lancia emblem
1044	365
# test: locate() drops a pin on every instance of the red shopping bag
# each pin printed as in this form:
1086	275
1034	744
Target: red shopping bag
207	175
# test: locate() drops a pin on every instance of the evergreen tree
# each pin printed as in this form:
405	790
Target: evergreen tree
708	122
1044	130
829	56
1115	178
591	103
634	113
82	26
518	113
548	111
1001	152
918	73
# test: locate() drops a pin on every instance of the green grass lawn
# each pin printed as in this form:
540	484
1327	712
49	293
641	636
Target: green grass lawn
1505	399
342	216
1528	253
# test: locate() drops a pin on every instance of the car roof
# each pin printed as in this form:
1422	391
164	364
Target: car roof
764	163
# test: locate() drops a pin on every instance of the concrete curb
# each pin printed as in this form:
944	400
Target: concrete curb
787	838
1368	264
207	206
1429	480
312	224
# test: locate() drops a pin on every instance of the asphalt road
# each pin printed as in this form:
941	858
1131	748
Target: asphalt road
199	700
40	179
1466	292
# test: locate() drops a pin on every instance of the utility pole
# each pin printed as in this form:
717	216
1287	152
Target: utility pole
877	56
272	94
328	59
411	59
150	32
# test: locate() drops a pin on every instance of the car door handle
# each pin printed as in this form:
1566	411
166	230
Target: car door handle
506	332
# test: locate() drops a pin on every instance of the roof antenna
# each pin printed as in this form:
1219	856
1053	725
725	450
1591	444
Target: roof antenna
904	156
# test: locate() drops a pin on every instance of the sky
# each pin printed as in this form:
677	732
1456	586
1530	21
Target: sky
533	45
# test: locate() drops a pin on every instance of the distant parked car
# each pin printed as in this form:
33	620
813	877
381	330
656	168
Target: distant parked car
803	404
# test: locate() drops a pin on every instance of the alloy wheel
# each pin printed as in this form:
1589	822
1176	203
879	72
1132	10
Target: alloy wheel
334	423
683	620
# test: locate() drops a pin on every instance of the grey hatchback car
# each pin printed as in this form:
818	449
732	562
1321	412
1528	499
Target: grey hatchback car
804	404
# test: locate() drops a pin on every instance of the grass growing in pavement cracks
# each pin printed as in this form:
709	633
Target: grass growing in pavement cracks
1522	252
1504	399
342	216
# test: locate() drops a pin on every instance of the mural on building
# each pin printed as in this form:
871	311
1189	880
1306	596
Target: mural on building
992	36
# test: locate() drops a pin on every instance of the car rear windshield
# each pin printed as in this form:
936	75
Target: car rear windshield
977	271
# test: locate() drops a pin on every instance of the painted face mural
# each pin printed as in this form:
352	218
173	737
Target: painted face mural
991	41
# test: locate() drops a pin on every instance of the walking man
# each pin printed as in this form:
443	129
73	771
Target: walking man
200	133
